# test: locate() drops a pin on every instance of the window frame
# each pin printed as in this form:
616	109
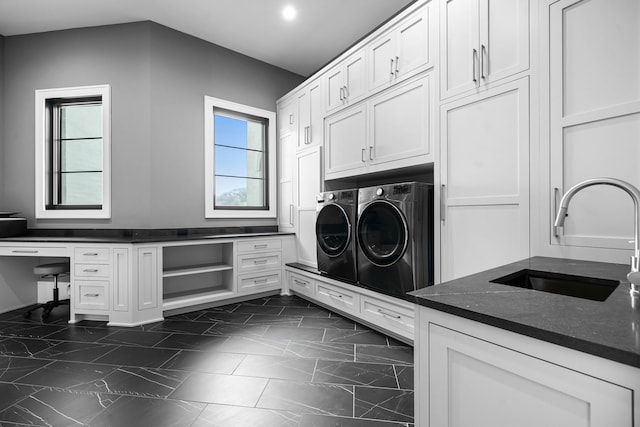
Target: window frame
44	169
212	104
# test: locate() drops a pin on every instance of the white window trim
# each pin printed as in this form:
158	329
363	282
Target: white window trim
209	161
42	172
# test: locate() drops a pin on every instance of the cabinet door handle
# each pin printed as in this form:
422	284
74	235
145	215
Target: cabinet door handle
260	261
443	203
341	95
371	152
90	270
362	155
397	65
473	66
336	296
24	251
90	254
309	134
92	295
262	246
385	314
483	52
391	68
300	283
260	281
291	214
290	119
346	93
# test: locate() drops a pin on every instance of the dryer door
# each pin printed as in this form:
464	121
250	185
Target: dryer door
333	230
382	233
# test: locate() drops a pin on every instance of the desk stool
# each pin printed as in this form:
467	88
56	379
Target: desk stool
50	270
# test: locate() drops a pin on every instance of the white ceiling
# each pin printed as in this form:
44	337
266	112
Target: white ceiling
321	30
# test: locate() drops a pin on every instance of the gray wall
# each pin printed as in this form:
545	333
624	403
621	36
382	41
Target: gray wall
158	80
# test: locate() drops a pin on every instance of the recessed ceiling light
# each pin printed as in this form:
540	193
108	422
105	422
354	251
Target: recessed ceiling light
289	13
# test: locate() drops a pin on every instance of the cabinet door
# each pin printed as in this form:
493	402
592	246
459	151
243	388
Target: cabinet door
477	383
459	46
413	43
316	113
354	77
400	125
382	61
485	174
594	119
345	142
304	118
504	38
148	278
335	88
286	157
286	116
121	283
308	185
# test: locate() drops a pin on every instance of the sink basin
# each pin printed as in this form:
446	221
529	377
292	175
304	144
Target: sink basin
564	284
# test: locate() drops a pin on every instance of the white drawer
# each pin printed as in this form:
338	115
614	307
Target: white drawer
91	270
89	254
259	245
257	282
41	251
302	284
337	297
392	317
92	295
262	261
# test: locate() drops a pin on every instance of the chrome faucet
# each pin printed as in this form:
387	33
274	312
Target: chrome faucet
634	274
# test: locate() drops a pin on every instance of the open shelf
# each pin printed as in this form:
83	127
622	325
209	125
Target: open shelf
195	269
188	298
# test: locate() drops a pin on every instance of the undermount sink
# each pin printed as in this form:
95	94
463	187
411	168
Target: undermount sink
564	284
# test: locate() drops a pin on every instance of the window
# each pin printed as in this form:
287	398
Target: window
73	152
239	160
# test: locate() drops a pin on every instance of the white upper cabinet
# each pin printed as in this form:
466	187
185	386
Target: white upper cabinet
310	114
286	116
345	82
402	51
482	41
594	120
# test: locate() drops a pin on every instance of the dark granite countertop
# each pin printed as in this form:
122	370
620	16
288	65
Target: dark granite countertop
42	235
609	329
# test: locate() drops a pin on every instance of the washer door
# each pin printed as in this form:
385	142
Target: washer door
333	231
382	233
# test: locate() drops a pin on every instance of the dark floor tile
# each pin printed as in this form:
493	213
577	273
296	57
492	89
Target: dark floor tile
12	368
284	368
274	320
250	308
384	354
384	404
333	322
231	329
303	397
81	333
59	316
225	416
211	362
355	373
312	420
294	334
137	356
223	317
229	308
75	351
135	338
144	412
57	408
142	382
183	326
287	301
23	346
250	345
11	394
192	342
25	330
405	377
222	389
63	374
193	315
354	337
306	311
321	350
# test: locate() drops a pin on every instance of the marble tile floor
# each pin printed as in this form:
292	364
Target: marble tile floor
268	362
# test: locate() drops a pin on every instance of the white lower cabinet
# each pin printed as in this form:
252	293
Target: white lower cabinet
92	295
470	374
258	282
387	314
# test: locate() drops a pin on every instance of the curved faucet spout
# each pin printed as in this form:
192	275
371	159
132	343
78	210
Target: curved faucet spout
634	275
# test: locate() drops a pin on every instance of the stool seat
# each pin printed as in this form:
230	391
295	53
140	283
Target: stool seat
52	268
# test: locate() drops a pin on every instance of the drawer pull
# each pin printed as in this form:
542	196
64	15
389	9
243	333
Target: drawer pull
90	270
24	251
299	282
336	296
92	295
90	254
260	261
385	314
262	246
260	281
